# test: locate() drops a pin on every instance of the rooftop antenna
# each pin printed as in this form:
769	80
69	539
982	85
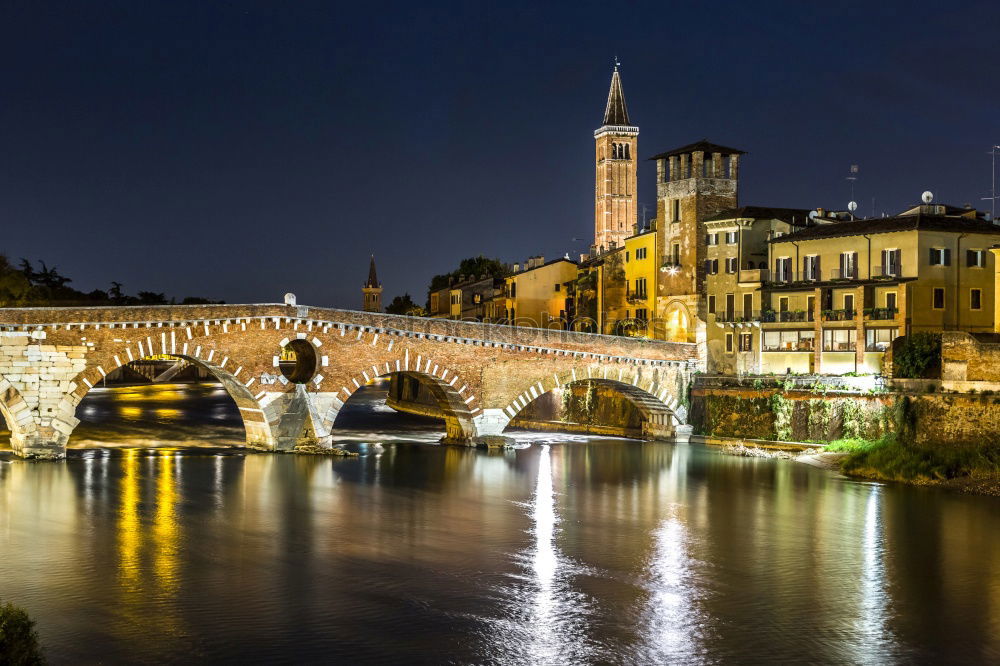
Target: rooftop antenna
852	177
993	187
852	206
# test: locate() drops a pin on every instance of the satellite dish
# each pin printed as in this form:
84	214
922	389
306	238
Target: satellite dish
289	299
853	206
813	214
927	197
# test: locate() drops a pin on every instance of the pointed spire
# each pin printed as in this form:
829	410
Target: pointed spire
616	112
372	277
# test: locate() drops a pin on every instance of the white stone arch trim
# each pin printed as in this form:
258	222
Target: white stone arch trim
645	388
17	414
457	400
255	422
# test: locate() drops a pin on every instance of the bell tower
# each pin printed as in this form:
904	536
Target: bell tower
372	290
616	194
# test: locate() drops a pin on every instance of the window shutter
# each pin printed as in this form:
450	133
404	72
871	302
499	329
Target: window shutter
897	263
715	266
816	273
854	265
933	256
947	256
708	266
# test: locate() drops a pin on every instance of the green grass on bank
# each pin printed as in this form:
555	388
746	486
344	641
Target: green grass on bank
887	458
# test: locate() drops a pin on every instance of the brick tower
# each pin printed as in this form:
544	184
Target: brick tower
616	195
372	290
693	183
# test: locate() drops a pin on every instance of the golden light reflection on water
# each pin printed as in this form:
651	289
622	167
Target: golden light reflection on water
148	550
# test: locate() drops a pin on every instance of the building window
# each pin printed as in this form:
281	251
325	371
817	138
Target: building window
748	306
711	304
839	339
730	306
849	302
730	238
890	301
879	339
675	251
783	269
810	267
640	287
729	343
783	304
626	256
730	264
940	256
789	340
640	253
675	210
975	299
891	263
513	290
975	258
711	266
640	314
711	239
558	287
848	265
937	301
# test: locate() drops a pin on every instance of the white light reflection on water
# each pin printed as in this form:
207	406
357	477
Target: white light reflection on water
674	619
547	617
874	641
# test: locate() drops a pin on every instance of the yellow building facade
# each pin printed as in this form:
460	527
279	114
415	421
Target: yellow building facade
537	296
835	294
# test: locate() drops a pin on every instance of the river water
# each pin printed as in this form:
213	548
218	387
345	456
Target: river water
575	550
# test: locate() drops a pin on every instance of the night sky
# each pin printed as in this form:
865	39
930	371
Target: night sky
239	150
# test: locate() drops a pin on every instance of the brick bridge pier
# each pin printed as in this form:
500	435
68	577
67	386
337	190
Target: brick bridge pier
482	375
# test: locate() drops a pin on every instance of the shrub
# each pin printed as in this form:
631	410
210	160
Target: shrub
888	458
913	356
18	638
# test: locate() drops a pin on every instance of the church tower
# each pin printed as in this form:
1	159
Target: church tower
372	290
616	194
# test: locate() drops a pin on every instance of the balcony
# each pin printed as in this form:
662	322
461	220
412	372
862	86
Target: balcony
671	266
839	315
881	314
786	316
844	274
886	272
737	316
755	275
639	297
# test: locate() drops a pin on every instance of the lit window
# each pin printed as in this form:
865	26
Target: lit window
746	342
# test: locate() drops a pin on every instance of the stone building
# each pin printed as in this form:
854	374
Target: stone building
735	264
472	298
693	183
372	290
616	191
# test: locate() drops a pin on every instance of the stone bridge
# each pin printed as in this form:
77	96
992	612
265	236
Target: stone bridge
482	375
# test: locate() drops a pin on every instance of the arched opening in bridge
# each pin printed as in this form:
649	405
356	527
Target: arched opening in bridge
298	362
404	405
599	407
158	401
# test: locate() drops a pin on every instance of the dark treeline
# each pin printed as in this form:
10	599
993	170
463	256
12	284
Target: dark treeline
28	285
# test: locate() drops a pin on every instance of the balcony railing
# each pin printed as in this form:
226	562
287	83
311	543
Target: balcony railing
754	275
737	316
637	297
881	314
839	315
886	272
787	316
844	274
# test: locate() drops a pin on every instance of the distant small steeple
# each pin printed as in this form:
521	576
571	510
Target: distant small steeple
372	277
372	290
616	112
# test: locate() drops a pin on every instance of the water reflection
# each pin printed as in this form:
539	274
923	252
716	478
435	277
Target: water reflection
575	550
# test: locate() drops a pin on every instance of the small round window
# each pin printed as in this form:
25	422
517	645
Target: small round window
298	361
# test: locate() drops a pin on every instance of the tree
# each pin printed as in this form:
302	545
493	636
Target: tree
404	305
14	286
18	638
151	298
472	267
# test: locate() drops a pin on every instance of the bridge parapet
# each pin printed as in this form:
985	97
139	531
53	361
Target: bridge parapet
482	374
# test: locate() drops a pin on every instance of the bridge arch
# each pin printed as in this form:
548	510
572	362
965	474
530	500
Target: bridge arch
455	399
258	427
651	391
16	414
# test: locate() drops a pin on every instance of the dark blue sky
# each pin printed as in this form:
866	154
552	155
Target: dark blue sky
239	150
